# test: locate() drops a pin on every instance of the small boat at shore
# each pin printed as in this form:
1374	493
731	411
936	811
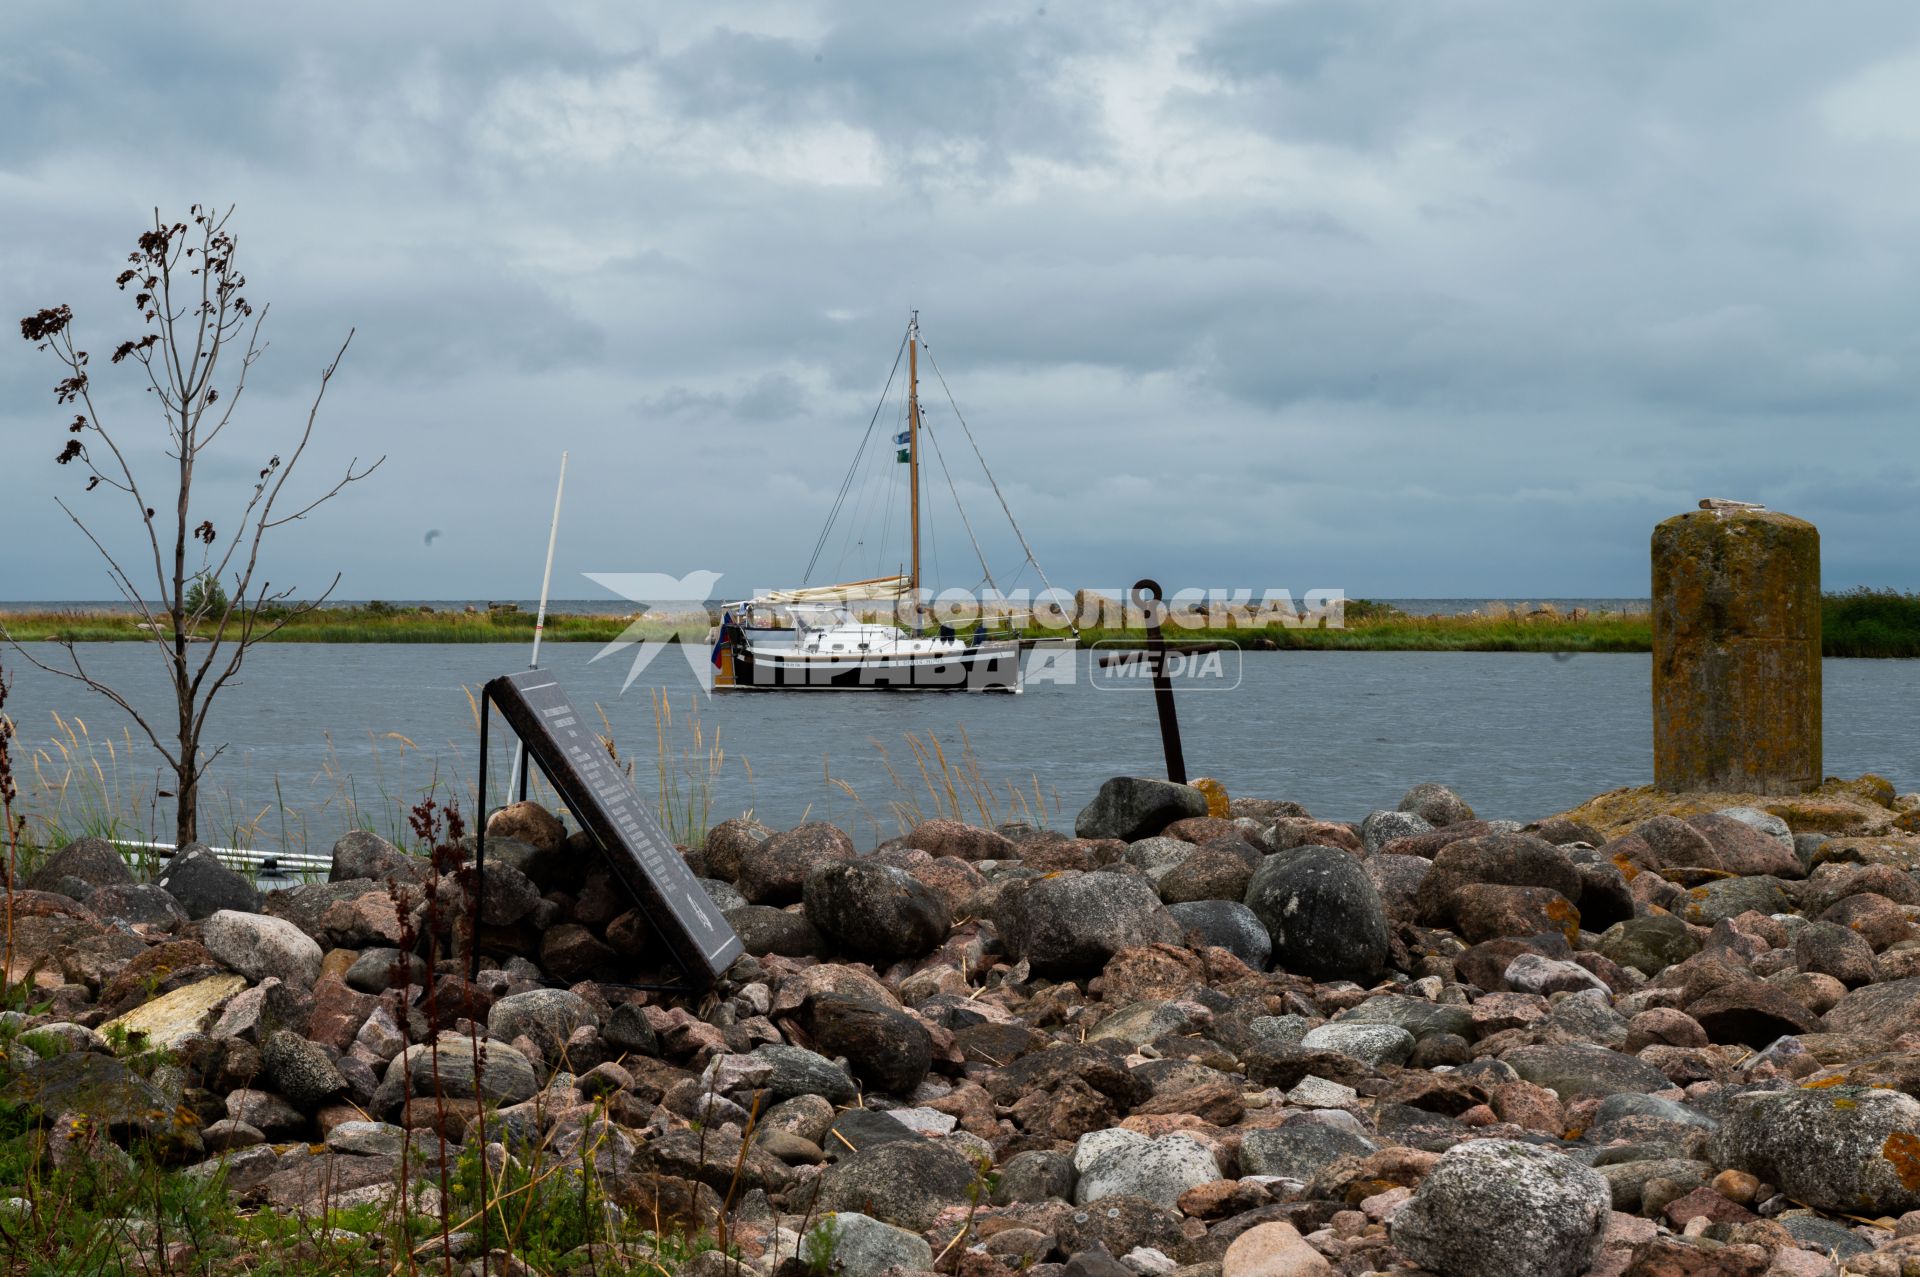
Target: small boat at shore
869	635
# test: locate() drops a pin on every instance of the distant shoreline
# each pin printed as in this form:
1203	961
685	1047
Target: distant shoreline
605	607
1860	623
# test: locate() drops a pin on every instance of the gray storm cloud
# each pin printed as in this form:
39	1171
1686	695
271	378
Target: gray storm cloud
1400	299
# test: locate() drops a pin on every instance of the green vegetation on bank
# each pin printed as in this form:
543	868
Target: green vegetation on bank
1858	622
1419	634
1864	622
365	623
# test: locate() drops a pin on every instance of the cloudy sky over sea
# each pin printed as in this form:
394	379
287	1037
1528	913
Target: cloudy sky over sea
1408	300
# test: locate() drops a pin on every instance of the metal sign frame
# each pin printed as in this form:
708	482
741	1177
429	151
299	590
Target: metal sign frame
603	802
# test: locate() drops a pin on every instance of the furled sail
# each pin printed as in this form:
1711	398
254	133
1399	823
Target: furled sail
879	587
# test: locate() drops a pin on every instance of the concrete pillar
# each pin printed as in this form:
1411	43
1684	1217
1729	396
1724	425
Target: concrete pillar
1736	651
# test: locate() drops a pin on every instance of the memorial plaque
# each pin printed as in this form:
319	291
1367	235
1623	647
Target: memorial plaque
602	799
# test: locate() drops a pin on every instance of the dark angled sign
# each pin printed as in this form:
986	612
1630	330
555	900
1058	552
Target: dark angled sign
602	799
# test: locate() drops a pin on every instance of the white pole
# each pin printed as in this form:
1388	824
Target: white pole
539	620
546	578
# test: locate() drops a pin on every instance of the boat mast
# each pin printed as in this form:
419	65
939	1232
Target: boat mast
913	454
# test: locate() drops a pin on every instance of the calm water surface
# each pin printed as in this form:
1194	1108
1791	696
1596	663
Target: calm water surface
314	730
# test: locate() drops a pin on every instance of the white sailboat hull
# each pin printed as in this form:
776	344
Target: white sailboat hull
987	667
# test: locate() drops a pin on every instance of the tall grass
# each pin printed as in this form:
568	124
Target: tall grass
78	785
686	769
10	834
82	786
957	789
1864	622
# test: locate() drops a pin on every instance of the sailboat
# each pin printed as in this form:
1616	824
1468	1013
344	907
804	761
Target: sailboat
831	637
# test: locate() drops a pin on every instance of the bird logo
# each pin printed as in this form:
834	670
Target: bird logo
690	628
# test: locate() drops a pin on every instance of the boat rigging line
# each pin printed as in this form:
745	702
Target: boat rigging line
911	341
991	481
847	482
964	521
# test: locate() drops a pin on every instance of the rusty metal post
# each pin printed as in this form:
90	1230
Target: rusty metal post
1147	594
1736	651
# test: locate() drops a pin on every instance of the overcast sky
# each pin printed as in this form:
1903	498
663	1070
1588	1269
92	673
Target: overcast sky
1409	300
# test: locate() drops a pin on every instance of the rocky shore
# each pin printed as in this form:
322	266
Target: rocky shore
1660	1034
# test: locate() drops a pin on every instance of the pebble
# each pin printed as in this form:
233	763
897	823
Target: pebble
1319	1093
1273	1250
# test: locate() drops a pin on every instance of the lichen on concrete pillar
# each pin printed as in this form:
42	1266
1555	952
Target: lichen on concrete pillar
1736	651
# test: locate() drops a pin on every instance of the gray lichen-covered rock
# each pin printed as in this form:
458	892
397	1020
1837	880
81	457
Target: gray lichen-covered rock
1421	1018
1071	925
509	896
1034	1176
1158	855
1382	827
1120	1163
1369	1043
1579	1070
798	1071
94	862
446	1067
204	886
886	1048
300	1070
1499	1208
1300	1149
874	911
545	1017
1765	821
1227	924
766	929
1848	1149
906	1183
258	946
137	902
1323	915
361	853
1134	807
853	1244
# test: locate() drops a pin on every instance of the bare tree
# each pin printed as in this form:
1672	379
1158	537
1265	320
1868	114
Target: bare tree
188	293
